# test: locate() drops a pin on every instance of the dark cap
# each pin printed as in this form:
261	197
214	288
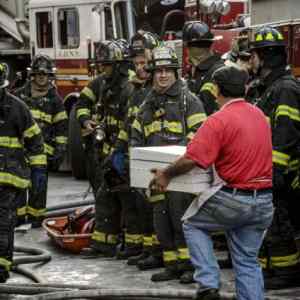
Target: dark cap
231	80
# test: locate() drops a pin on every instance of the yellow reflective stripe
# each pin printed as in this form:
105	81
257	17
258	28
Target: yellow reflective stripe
294	165
106	148
157	126
195	119
155	240
173	126
10	142
258	38
40	159
36	212
169	256
21	211
123	135
16	181
61	139
104	237
133	238
280	158
287	111
31	131
132	111
48	149
156	198
281	261
131	74
211	88
89	93
41	115
190	136
83	112
60	117
5	263
183	253
147	241
137	125
270	37
295	183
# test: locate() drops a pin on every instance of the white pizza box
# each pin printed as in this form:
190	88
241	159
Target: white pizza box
143	159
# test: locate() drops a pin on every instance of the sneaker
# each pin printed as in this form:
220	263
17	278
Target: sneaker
133	260
151	262
166	275
187	277
206	293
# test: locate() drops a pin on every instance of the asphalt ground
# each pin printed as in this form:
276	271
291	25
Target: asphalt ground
70	268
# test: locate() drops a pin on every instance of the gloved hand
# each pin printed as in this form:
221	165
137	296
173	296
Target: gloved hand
38	179
278	179
118	162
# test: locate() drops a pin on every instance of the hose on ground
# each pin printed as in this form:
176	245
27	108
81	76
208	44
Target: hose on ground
27	273
37	255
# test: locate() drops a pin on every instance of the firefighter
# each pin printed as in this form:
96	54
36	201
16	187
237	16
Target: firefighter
18	134
114	93
169	115
281	104
137	212
47	109
198	39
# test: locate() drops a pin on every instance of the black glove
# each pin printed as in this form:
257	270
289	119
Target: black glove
278	179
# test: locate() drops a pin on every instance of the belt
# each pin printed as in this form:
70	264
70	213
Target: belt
245	192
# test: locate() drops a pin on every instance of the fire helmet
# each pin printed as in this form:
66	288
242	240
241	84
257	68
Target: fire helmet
267	36
125	47
42	63
3	75
143	40
197	34
109	52
163	57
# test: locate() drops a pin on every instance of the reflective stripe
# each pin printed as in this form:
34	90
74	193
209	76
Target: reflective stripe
107	149
195	119
31	131
48	149
295	183
183	253
157	126
147	241
133	238
169	256
280	158
156	198
210	87
155	240
60	117
123	135
190	136
294	165
137	125
281	261
36	212
16	181
40	159
133	111
89	93
61	139
6	264
83	112
21	211
41	115
288	111
104	237
10	142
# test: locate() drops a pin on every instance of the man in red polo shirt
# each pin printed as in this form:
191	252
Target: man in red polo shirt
237	141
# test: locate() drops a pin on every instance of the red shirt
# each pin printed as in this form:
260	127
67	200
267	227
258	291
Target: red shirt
237	139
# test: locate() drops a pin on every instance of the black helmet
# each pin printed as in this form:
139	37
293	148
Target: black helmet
42	63
267	36
196	33
125	47
143	40
108	52
164	57
3	75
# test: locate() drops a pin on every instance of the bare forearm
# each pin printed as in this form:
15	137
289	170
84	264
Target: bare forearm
179	167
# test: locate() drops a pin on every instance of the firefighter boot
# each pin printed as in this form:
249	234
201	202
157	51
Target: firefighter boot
129	251
4	275
171	272
151	262
133	260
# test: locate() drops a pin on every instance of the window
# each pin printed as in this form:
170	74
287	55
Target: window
109	33
121	20
44	29
68	28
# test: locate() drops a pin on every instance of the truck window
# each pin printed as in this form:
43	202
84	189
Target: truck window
109	34
68	28
44	29
121	17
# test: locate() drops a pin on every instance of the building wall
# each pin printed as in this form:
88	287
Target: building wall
264	11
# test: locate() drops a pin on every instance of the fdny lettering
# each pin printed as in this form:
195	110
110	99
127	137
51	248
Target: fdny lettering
69	53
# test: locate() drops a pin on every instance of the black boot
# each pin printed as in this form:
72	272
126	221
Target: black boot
4	275
133	260
91	252
151	262
129	251
187	277
169	273
206	293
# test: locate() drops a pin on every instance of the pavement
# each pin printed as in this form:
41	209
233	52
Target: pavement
69	268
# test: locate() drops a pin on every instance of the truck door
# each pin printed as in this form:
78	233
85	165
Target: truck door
42	31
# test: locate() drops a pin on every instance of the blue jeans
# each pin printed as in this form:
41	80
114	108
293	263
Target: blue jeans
244	218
